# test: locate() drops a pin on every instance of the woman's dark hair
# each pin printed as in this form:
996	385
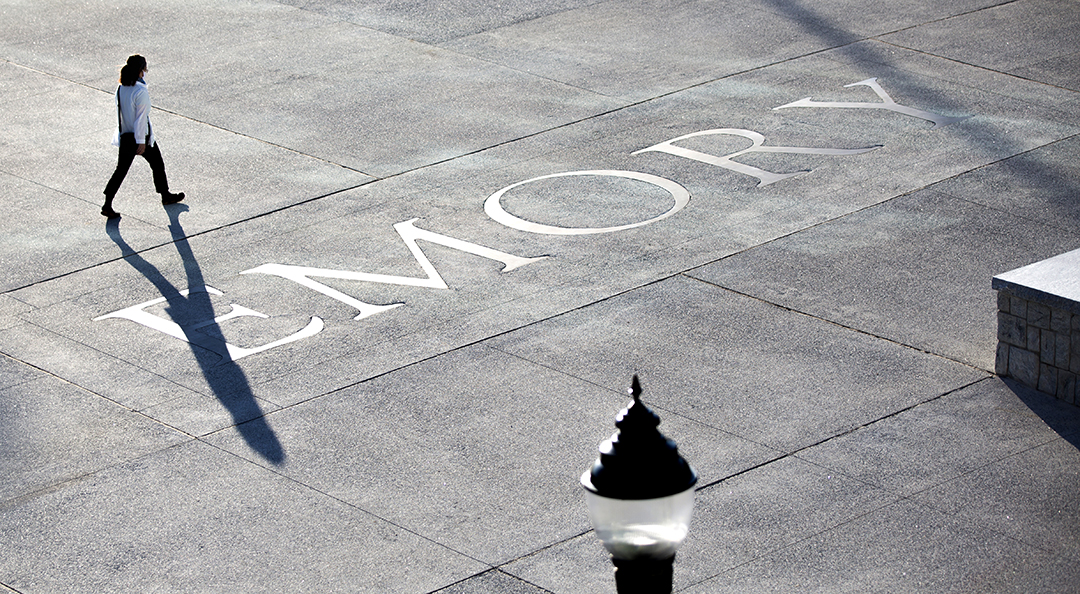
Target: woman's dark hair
131	71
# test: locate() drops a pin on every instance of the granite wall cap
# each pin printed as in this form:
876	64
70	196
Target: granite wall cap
1054	282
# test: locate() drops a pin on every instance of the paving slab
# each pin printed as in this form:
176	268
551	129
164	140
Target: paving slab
1029	495
427	23
999	495
214	522
89	44
926	551
942	440
55	432
106	376
819	18
859	271
15	372
39	244
1037	48
10	308
1038	184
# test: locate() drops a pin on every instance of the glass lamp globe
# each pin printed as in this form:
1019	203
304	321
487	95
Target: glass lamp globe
640	491
641	528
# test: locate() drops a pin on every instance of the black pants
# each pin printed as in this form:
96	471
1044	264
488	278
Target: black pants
123	163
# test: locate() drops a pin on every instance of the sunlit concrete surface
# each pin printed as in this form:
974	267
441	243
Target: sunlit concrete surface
425	247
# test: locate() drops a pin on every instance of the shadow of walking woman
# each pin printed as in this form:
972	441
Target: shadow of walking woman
193	320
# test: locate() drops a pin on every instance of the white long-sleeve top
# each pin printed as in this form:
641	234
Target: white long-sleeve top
135	113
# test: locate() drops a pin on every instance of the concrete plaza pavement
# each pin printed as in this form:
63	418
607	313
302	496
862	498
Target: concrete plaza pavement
425	246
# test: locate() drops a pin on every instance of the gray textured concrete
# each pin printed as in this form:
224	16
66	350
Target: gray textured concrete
816	326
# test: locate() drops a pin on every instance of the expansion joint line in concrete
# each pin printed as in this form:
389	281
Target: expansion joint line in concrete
102	396
349	504
189	236
499	571
48	373
476	342
796	542
962	62
19	499
795	453
839	325
945	18
1022	216
972	65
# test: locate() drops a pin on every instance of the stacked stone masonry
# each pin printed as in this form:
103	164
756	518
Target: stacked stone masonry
1038	345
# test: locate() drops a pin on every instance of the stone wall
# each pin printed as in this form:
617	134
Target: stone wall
1038	345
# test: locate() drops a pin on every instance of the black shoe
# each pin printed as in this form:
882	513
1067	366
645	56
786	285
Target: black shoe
167	198
107	211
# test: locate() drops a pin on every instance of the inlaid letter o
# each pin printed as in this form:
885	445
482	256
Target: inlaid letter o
494	209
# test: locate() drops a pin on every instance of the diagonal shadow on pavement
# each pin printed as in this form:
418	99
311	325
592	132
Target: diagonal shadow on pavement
1062	418
223	375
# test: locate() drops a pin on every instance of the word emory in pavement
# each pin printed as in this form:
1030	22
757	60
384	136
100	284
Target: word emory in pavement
410	234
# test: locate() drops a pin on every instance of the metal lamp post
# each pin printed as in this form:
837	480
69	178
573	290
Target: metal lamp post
640	494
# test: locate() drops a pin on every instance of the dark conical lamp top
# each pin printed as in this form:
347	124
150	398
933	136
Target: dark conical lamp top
638	462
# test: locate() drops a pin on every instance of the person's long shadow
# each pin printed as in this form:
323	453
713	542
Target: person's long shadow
192	310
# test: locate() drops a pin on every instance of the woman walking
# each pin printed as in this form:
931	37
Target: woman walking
135	136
